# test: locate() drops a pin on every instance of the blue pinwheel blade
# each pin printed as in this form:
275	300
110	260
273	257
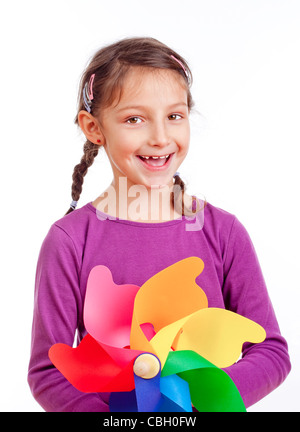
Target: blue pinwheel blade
123	402
148	395
175	395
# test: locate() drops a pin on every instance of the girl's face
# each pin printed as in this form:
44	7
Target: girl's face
146	134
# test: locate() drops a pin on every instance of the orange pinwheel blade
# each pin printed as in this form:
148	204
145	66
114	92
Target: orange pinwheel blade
171	294
166	298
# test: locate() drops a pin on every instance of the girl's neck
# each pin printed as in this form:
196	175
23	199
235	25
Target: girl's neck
138	203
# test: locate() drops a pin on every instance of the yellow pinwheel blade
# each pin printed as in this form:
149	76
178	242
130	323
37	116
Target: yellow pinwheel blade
218	335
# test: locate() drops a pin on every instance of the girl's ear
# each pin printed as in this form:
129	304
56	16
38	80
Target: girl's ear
90	127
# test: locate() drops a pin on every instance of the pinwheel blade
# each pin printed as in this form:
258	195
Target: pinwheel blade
108	308
211	389
148	395
123	402
166	300
175	395
166	296
89	368
218	335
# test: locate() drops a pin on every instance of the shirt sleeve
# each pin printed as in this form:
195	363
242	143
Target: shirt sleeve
57	302
263	366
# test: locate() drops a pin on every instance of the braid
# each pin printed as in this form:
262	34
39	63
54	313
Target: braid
90	151
177	194
177	199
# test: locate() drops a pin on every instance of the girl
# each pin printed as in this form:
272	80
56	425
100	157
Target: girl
134	102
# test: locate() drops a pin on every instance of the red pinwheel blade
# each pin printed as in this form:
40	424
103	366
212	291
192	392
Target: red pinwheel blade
89	367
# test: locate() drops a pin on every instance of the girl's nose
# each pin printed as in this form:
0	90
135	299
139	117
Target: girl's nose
159	135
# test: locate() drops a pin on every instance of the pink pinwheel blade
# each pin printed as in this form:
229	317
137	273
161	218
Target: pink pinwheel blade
108	308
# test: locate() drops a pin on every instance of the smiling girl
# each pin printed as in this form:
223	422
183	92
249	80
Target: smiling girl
134	102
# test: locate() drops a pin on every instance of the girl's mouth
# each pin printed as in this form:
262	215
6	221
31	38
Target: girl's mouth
155	162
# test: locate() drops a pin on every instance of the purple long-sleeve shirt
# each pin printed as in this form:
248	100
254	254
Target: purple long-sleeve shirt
135	251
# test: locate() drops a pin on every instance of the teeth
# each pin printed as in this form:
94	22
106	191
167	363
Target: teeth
155	157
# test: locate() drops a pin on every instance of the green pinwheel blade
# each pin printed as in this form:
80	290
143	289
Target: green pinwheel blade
211	389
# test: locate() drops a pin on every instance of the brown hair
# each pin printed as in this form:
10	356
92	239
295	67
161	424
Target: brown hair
110	66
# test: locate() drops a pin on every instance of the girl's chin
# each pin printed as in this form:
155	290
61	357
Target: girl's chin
150	182
158	183
158	186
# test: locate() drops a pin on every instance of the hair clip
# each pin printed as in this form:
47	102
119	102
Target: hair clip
91	82
176	174
181	64
87	103
88	95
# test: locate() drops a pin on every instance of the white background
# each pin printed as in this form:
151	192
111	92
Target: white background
244	157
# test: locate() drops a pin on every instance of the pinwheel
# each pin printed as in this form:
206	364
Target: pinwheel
158	347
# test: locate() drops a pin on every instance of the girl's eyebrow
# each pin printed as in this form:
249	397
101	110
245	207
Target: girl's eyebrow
144	107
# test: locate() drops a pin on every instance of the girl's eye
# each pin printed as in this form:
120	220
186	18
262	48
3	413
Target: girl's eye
133	120
174	117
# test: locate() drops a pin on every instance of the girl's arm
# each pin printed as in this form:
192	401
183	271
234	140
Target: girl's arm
57	305
264	366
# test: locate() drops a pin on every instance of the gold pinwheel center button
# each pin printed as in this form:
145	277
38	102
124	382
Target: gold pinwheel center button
146	366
